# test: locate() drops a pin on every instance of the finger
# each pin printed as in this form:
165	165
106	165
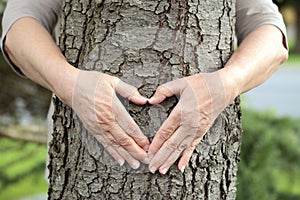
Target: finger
118	153
167	90
162	155
137	98
112	151
133	163
120	138
175	155
129	126
130	92
187	154
166	130
170	150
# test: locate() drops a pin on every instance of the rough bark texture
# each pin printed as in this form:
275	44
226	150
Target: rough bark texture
145	43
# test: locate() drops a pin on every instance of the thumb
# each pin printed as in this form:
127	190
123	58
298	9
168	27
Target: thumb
167	90
130	92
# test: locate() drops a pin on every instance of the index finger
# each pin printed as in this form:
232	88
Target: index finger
121	139
130	92
167	129
129	126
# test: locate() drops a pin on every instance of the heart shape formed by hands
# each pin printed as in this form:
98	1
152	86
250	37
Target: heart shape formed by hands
95	101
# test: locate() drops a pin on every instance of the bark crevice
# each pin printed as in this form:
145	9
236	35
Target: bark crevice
146	44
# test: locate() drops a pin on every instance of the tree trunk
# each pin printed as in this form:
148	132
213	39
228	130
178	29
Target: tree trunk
145	43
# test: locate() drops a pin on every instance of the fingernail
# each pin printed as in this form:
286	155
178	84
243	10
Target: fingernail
121	162
182	169
151	99
146	161
135	164
164	171
152	170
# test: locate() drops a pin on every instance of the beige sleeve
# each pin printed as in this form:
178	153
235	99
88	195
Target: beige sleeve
46	12
252	14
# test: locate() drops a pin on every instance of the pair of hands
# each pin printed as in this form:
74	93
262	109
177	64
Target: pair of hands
202	98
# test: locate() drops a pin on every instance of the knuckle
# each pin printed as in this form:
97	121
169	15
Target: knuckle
166	132
182	147
199	125
171	145
131	129
195	143
160	88
163	90
105	116
125	142
111	143
106	127
190	129
163	136
205	117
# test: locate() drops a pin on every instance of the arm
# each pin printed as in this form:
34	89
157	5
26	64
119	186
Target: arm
40	59
262	49
204	96
259	28
257	58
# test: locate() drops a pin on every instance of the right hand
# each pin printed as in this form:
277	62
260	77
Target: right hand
95	102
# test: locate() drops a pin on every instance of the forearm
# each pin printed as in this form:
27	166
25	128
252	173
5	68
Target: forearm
33	50
256	59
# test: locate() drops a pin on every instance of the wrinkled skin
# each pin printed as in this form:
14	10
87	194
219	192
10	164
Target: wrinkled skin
202	99
103	115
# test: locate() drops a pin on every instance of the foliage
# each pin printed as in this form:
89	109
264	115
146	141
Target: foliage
270	158
22	167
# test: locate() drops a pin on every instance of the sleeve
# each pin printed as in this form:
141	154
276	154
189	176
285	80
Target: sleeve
44	11
251	15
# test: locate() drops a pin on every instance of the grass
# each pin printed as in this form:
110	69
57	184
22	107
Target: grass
22	168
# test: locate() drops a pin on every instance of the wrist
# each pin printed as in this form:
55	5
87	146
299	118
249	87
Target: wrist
231	83
66	79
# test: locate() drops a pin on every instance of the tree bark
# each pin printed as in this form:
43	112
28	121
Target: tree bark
145	43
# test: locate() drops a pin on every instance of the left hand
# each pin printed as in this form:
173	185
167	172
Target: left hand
202	98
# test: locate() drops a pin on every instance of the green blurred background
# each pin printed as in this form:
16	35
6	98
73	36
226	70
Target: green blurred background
270	159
